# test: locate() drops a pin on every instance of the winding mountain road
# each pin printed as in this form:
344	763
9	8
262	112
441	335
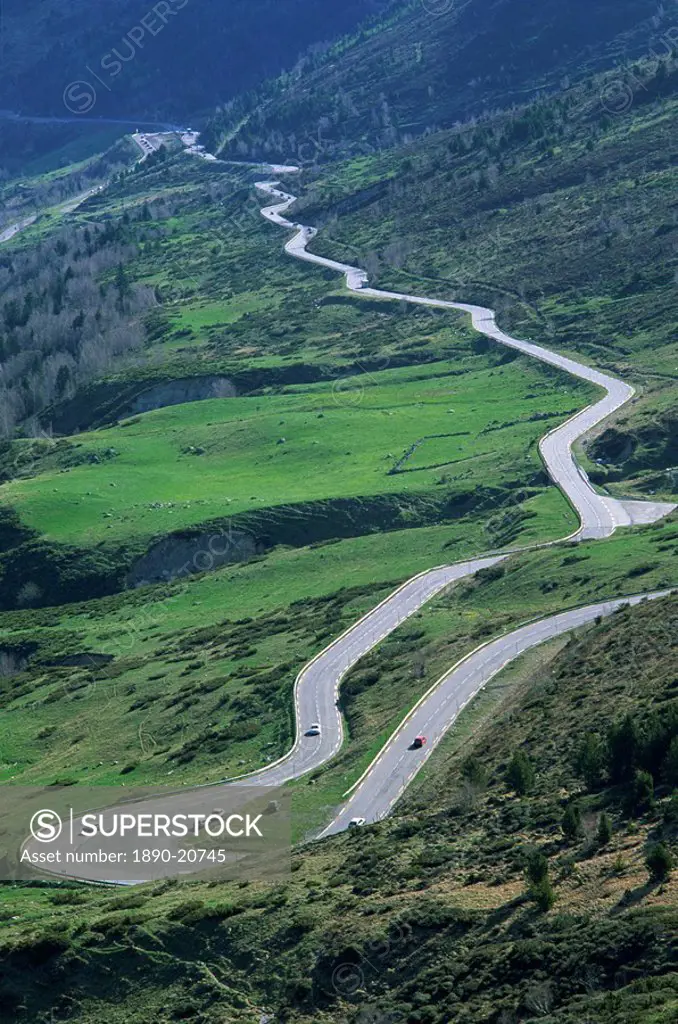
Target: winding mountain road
15	229
599	515
68	206
317	686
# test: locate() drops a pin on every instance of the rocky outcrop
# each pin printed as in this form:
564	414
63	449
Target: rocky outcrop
104	402
11	663
177	392
178	556
644	445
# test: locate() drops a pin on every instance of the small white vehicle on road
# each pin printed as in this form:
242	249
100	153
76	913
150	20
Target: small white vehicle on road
356	822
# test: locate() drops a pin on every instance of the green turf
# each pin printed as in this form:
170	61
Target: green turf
216	314
309	444
556	230
89	709
182	659
441	882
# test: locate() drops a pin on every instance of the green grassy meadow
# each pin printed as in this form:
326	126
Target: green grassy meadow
188	464
199	681
209	637
553	217
445	871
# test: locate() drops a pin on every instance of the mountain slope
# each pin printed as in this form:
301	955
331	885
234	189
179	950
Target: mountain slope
172	59
428	916
560	215
418	70
511	884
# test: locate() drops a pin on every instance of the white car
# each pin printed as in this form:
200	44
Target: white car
356	822
314	730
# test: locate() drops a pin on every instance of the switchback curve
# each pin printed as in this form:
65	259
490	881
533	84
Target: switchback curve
317	686
599	515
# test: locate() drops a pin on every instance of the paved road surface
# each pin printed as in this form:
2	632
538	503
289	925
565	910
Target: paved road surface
316	694
66	207
14	229
397	763
317	686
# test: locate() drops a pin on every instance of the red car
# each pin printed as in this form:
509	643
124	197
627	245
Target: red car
418	742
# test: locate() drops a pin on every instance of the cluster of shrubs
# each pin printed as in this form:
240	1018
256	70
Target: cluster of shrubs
635	753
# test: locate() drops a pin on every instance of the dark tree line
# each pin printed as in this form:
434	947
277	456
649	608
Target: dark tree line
68	311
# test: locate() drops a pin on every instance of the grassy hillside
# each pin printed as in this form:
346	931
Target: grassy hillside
198	462
343	419
176	381
194	677
30	150
560	216
431	914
